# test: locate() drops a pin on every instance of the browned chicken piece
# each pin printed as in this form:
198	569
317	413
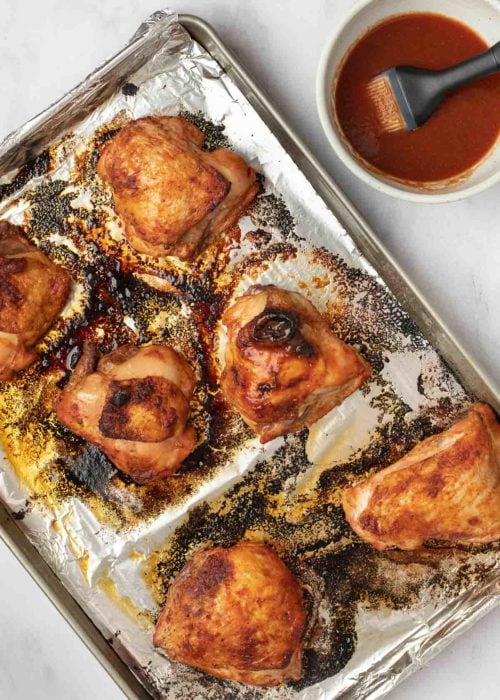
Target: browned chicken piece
284	367
446	489
170	193
235	613
134	406
33	290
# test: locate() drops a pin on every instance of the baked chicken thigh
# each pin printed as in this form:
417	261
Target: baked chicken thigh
170	193
33	290
235	613
447	489
134	406
284	367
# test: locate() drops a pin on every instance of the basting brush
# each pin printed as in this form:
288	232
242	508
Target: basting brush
405	97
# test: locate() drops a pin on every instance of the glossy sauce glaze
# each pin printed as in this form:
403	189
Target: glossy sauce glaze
457	137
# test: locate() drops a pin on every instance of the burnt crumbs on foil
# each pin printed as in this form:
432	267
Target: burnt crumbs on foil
289	497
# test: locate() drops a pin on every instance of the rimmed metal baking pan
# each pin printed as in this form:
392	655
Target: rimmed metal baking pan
26	142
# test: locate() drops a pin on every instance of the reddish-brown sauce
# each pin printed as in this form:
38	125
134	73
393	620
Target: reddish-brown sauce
461	132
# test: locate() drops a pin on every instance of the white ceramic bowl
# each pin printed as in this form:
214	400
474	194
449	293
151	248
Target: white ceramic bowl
482	15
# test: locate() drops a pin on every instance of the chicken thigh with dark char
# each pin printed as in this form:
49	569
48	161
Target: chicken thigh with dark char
134	406
171	195
33	291
284	367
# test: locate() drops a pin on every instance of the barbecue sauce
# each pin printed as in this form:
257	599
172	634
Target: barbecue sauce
456	138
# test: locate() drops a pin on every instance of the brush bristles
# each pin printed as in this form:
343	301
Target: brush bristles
386	104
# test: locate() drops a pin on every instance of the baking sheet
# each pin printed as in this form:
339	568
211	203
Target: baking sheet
116	545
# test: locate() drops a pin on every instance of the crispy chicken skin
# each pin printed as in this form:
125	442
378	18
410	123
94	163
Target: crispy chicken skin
447	489
170	194
235	613
284	367
134	406
33	290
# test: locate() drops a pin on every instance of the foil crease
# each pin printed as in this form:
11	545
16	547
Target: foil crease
173	72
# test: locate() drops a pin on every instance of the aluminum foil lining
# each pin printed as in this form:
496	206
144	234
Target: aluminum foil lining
374	617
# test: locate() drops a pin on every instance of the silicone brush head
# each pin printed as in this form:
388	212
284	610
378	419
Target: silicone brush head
405	97
391	105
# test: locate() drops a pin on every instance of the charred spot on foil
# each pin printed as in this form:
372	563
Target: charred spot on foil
271	211
213	133
259	238
39	165
255	262
129	89
105	135
19	514
22	512
51	208
261	181
91	468
372	355
420	384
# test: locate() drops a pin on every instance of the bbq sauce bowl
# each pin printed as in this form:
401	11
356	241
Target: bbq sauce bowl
480	16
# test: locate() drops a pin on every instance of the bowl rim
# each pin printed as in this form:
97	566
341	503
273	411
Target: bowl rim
378	183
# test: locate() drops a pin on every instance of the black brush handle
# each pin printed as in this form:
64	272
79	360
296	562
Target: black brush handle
474	68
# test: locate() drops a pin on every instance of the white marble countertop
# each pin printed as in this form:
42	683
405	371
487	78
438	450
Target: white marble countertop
451	252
